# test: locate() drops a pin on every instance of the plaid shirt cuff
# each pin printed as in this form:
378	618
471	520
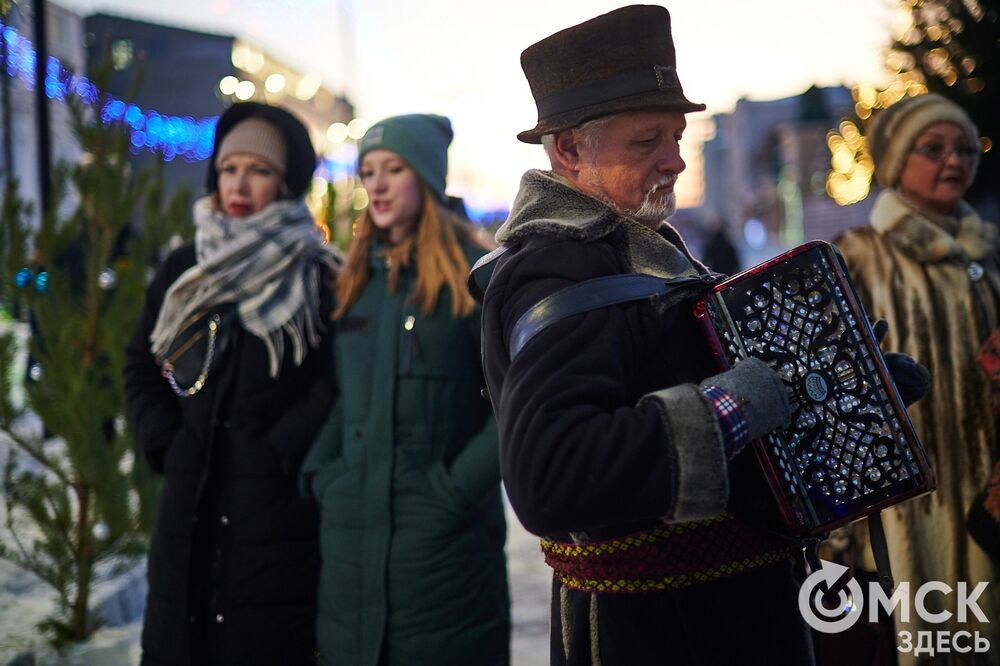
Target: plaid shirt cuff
730	417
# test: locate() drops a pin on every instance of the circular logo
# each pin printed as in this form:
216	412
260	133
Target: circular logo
816	387
849	600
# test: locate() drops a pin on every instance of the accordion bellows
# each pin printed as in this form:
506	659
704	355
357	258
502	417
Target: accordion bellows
850	449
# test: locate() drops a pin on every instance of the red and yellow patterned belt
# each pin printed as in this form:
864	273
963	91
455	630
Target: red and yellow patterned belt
667	557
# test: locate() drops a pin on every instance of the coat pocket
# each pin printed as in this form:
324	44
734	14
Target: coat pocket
444	489
325	475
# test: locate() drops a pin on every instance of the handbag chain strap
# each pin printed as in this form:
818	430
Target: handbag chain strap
199	384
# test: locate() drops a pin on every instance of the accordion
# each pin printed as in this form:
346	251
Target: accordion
850	449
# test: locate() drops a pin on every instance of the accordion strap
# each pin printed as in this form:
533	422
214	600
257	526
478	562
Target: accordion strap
880	551
598	293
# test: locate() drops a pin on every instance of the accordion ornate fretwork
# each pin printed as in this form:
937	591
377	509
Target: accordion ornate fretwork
850	450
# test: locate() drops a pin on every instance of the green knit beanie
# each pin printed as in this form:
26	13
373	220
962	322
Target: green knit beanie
421	139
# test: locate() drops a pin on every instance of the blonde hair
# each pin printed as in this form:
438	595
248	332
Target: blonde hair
435	246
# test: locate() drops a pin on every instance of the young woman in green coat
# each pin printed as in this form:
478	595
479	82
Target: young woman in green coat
406	470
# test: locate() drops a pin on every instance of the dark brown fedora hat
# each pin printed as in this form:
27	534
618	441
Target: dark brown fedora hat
620	61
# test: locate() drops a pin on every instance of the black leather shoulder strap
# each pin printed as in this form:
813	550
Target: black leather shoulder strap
482	271
595	294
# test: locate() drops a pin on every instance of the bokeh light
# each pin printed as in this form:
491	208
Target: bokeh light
337	133
227	85
357	128
275	83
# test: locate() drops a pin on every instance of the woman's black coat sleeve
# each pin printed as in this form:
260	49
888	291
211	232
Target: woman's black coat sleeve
294	431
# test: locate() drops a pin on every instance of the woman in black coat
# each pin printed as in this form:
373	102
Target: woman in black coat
234	558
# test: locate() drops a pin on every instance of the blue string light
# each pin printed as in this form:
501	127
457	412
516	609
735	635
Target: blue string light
172	136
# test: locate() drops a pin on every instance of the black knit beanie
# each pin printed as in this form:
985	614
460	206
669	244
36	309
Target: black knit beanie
300	162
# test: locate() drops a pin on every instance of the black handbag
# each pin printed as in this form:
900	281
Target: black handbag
197	348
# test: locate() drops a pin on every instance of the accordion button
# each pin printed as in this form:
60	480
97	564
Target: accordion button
975	271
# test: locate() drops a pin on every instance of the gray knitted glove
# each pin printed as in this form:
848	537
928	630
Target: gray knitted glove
760	392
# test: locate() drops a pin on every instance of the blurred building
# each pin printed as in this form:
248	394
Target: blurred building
167	83
768	163
19	130
197	75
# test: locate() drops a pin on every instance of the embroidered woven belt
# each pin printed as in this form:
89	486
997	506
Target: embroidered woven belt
664	558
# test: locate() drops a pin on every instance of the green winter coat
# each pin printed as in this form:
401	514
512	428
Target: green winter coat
407	476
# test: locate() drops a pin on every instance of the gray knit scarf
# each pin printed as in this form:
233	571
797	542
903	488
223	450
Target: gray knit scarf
269	263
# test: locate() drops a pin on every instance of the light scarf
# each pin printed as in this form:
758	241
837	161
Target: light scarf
269	263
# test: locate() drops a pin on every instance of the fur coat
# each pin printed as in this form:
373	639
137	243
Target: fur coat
916	270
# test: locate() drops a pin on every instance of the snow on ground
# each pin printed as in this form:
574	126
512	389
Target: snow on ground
25	601
530	588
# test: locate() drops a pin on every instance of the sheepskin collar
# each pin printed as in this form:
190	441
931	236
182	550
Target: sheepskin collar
549	204
917	234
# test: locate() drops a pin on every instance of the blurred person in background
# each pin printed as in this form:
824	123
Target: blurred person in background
928	265
234	558
719	253
406	470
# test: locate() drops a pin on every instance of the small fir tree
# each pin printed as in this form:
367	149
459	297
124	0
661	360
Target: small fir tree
76	505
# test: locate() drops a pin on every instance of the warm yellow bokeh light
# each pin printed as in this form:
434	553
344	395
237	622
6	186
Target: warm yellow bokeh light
318	187
849	179
239	56
867	95
308	87
228	84
842	160
275	83
357	128
359	198
336	133
254	62
245	90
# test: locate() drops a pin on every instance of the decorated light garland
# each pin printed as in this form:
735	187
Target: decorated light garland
172	136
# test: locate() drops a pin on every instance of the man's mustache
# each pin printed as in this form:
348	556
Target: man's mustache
664	182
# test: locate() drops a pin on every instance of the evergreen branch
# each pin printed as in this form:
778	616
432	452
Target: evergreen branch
37	454
59	520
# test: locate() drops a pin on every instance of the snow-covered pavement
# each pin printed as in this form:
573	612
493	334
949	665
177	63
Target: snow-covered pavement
24	601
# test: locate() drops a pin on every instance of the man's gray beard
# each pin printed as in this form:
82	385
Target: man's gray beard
649	211
655	211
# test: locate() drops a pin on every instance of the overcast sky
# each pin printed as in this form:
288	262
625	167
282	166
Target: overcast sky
461	58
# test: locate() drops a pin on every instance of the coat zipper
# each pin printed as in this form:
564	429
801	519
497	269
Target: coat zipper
411	347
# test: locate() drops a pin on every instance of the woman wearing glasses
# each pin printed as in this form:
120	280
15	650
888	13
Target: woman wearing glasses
928	265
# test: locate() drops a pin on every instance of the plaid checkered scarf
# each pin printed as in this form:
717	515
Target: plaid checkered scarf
268	263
